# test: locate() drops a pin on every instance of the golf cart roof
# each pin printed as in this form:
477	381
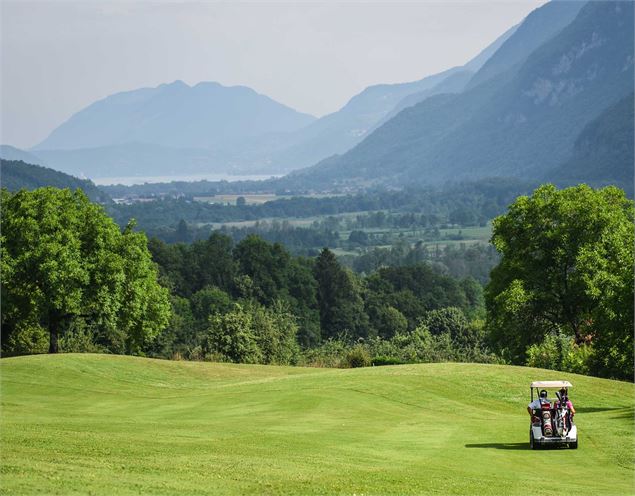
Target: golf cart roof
551	384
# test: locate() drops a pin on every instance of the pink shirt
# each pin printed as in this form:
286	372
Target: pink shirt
569	404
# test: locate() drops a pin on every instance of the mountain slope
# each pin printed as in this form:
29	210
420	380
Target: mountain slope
206	115
603	152
457	81
520	123
104	424
537	28
18	175
342	130
8	152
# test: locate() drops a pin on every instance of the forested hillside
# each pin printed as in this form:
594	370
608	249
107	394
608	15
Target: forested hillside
603	152
18	175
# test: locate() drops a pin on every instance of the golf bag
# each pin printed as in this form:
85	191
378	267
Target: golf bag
547	419
563	415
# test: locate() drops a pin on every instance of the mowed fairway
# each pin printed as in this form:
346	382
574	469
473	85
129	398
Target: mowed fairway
98	424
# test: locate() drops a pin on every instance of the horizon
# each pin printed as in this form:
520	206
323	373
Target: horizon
156	43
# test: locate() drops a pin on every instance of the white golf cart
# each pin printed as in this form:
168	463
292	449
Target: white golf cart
551	420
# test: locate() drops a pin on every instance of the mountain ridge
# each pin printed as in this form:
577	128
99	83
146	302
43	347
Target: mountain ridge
522	122
205	115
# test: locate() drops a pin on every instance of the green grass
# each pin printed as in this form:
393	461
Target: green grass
97	424
483	233
253	199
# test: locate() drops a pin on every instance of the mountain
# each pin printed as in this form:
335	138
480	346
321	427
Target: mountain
537	28
17	175
9	152
603	151
342	130
206	115
457	81
209	128
521	123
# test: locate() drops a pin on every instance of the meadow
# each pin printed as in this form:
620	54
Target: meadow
103	424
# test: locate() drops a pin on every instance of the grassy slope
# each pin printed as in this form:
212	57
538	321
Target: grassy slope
109	424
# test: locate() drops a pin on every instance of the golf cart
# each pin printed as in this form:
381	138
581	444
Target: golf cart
551	424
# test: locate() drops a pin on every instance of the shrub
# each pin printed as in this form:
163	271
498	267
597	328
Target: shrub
79	339
331	353
232	335
27	339
275	330
548	354
559	352
579	359
197	354
358	356
252	333
386	360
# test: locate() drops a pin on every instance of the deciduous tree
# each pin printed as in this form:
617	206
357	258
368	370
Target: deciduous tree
63	259
567	267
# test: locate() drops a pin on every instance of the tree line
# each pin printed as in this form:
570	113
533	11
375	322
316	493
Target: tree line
560	297
324	299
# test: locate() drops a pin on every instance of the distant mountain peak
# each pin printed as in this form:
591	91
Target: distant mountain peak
177	83
175	114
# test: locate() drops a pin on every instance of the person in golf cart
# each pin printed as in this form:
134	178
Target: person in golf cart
538	402
565	398
567	402
543	405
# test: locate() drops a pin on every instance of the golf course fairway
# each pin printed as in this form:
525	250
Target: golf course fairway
103	424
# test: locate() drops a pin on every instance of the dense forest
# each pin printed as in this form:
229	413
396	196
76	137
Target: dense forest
17	175
560	293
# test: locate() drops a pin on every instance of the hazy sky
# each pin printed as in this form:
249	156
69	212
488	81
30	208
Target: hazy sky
60	56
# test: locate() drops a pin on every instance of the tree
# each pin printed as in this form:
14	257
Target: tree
452	321
64	260
339	300
182	234
210	263
275	329
358	237
566	268
252	333
207	302
266	265
232	336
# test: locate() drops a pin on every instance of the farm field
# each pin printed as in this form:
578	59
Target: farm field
102	424
254	198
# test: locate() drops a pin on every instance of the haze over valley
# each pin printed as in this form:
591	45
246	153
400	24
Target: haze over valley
517	109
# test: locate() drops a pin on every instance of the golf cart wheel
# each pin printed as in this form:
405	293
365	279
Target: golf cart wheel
532	443
574	444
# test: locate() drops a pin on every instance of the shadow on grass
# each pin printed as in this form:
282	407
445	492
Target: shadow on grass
625	413
503	446
597	409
